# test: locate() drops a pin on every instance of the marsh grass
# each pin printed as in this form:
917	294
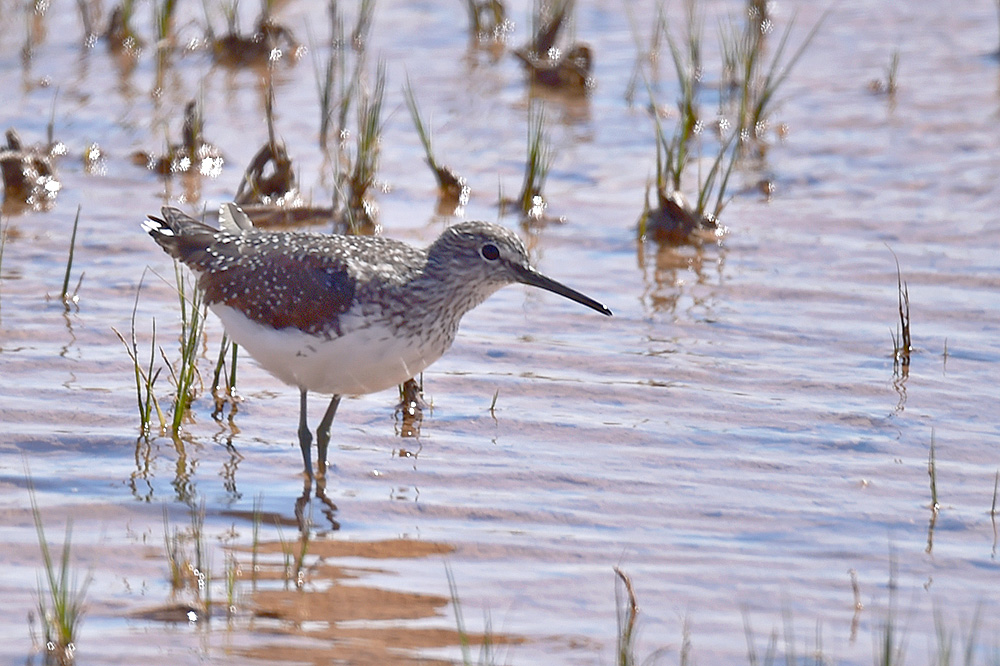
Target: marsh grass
418	123
753	658
889	86
493	403
121	36
888	635
889	639
932	472
353	172
688	67
648	57
327	73
748	95
286	553
449	183
189	560
487	650
233	573
363	26
756	81
361	210
62	597
889	642
336	91
163	21
145	376
185	375
531	202
787	645
230	10
946	639
996	484
294	559
901	341
224	377
626	620
674	217
178	563
626	612
935	506
65	296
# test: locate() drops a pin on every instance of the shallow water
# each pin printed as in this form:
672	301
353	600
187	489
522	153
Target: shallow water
735	438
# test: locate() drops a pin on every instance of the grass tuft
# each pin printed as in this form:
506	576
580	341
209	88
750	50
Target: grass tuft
932	472
177	561
901	342
451	187
65	296
531	202
163	18
361	209
993	506
749	84
627	613
889	640
487	652
891	74
224	377
627	610
328	73
493	403
188	558
185	376
145	377
758	82
61	601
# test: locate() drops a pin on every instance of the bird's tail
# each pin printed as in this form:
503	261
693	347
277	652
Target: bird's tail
179	234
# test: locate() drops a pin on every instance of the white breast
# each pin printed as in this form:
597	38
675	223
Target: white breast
365	359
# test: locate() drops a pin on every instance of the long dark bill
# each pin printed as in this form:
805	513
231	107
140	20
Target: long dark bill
535	279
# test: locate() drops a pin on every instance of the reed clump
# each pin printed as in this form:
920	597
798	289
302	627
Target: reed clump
61	594
749	82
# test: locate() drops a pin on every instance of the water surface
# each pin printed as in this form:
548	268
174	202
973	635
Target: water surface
736	438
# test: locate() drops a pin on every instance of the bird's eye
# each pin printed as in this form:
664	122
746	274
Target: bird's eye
490	252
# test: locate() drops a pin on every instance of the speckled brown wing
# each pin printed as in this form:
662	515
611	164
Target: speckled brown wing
279	279
305	291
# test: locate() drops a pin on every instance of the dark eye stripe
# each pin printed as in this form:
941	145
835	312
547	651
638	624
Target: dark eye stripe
490	252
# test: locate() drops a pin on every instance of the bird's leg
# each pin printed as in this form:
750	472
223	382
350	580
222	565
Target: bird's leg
323	434
305	437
